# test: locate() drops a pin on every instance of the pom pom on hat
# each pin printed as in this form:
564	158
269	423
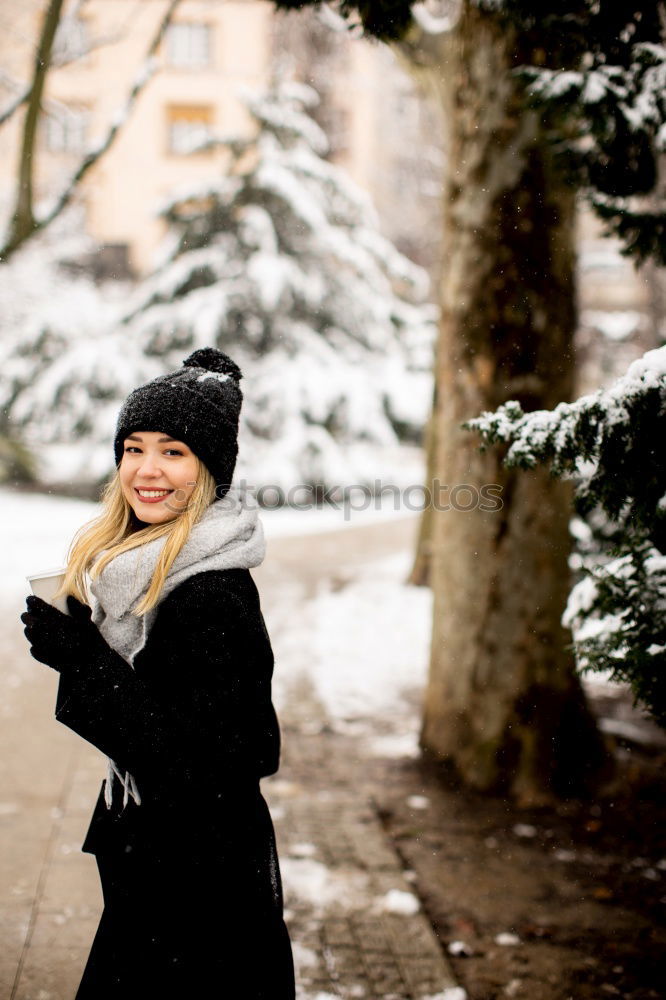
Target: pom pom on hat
214	361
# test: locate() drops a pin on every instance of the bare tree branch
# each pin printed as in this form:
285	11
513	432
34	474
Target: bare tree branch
93	46
15	104
23	221
18	235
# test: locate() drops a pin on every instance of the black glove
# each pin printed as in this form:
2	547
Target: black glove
63	641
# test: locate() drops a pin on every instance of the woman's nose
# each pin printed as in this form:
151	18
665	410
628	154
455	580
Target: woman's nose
149	466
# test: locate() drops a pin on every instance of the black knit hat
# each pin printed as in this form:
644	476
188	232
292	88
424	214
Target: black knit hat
198	404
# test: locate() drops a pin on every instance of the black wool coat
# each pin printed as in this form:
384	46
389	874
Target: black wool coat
191	879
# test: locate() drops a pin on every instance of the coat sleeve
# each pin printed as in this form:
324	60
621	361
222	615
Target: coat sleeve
200	697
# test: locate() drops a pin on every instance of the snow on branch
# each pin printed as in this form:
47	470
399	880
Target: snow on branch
142	78
617	615
57	62
100	148
15	104
611	444
601	439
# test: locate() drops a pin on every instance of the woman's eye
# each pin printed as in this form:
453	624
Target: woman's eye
131	447
175	451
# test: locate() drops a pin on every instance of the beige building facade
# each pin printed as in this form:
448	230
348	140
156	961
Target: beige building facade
211	49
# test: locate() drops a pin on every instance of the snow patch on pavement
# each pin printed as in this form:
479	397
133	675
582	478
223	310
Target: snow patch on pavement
303	957
311	882
399	901
451	993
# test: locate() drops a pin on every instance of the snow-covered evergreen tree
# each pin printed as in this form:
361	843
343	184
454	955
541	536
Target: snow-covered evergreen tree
61	371
611	443
280	263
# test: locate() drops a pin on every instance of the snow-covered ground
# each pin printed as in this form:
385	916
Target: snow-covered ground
362	649
35	533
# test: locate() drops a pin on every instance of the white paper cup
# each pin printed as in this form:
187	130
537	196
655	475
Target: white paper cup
45	585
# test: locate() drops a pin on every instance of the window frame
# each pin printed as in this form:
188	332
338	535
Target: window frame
62	122
187	60
192	115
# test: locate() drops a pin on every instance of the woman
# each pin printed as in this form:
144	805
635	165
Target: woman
169	674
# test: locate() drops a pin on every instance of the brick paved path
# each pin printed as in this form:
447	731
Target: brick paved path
356	926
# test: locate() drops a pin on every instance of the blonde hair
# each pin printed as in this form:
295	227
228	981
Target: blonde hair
112	533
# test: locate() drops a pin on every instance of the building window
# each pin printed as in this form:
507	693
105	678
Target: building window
189	46
72	39
66	129
188	128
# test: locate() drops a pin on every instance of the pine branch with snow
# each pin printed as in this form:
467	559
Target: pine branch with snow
617	614
61	374
599	83
610	440
610	443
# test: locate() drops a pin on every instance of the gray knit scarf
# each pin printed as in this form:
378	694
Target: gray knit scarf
228	535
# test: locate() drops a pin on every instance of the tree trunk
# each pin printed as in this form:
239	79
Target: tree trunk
503	704
420	574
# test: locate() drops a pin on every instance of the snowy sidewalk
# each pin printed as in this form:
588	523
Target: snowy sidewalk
356	925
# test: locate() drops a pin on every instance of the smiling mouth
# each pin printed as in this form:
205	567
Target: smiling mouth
152	495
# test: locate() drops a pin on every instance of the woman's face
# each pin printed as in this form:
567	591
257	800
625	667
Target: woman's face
158	475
